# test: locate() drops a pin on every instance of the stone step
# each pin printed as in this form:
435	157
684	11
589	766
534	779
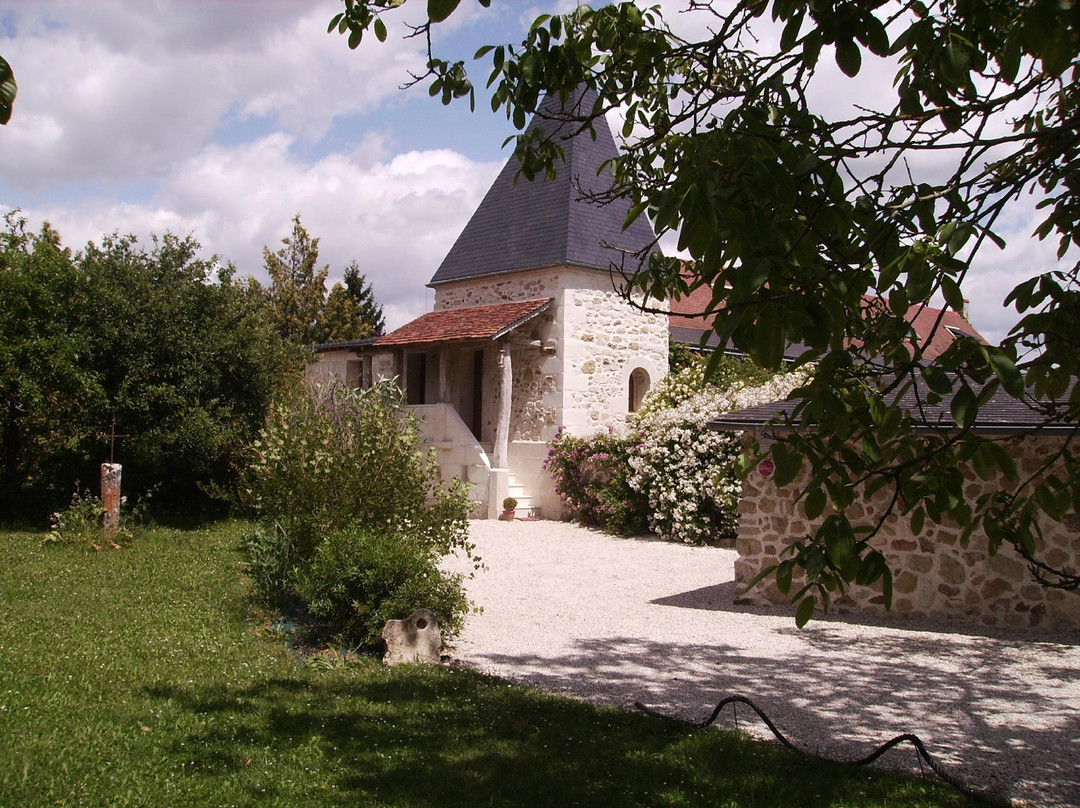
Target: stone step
525	508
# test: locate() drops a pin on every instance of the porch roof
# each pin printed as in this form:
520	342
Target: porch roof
459	325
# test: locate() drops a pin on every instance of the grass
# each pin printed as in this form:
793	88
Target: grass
140	677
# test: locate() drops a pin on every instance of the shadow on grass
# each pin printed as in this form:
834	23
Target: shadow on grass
439	737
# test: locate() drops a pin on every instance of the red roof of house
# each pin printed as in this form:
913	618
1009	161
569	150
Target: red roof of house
687	313
473	323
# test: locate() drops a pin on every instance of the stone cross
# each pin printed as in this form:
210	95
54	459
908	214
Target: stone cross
110	486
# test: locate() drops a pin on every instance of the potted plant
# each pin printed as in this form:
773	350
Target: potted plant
509	506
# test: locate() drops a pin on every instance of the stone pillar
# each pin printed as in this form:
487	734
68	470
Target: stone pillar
502	426
110	497
444	370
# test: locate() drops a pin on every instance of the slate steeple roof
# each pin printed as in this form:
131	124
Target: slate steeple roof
545	222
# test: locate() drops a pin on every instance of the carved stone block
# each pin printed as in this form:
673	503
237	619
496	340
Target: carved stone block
415	639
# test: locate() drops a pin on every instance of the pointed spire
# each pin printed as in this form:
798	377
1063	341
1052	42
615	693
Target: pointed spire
544	222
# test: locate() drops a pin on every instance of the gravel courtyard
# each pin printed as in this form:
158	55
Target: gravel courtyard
615	621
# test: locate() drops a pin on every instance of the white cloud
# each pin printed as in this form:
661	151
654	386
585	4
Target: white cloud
396	217
122	93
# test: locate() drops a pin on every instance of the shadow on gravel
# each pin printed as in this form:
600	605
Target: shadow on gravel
952	692
721	598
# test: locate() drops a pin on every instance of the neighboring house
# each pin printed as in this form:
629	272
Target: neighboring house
530	330
934	328
935	575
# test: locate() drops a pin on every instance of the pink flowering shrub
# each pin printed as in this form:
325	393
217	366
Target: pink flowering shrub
590	478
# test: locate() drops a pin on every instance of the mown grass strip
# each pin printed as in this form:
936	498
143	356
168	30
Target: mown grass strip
139	677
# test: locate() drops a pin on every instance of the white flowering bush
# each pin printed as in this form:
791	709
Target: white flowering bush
668	473
687	471
674	389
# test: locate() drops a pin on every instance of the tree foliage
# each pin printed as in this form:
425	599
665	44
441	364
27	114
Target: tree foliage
297	291
160	342
297	300
351	311
796	220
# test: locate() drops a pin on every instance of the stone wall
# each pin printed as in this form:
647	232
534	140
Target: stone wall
933	574
499	289
571	364
598	340
605	340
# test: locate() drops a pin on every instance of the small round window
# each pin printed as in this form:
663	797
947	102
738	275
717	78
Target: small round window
639	386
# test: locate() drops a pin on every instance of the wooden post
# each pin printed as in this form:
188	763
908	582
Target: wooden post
502	426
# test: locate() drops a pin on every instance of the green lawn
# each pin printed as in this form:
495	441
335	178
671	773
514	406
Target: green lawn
140	677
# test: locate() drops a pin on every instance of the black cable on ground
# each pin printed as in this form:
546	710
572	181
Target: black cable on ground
914	740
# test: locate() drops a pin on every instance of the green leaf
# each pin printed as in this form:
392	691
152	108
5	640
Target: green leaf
1007	372
984	461
953	296
839	540
791	32
439	10
937	379
815	503
783	576
635	211
805	611
380	29
848	57
1005	461
871	568
964	407
877	38
788	463
8	89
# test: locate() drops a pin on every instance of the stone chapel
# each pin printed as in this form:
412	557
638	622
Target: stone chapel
531	330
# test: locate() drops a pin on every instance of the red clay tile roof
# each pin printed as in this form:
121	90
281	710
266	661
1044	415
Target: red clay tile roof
455	325
686	313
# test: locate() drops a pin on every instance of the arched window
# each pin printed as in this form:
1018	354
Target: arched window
639	386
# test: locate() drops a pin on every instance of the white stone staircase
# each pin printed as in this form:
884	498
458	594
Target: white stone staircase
525	507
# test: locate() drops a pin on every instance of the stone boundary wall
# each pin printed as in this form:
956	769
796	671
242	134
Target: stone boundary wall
934	576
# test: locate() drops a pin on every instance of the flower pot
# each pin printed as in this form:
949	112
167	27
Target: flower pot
507	516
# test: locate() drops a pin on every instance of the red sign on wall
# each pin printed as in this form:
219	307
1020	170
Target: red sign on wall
766	468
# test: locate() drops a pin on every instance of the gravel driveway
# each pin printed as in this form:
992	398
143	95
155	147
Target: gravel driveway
615	621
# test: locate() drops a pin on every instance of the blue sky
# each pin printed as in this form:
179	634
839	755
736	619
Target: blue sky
224	118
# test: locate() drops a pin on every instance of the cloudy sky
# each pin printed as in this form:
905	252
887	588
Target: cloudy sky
223	119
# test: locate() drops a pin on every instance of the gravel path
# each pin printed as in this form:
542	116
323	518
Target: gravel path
615	621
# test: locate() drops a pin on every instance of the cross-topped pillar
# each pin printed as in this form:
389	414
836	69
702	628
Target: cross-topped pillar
110	486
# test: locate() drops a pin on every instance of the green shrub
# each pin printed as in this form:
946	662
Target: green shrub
80	524
338	471
268	564
361	577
